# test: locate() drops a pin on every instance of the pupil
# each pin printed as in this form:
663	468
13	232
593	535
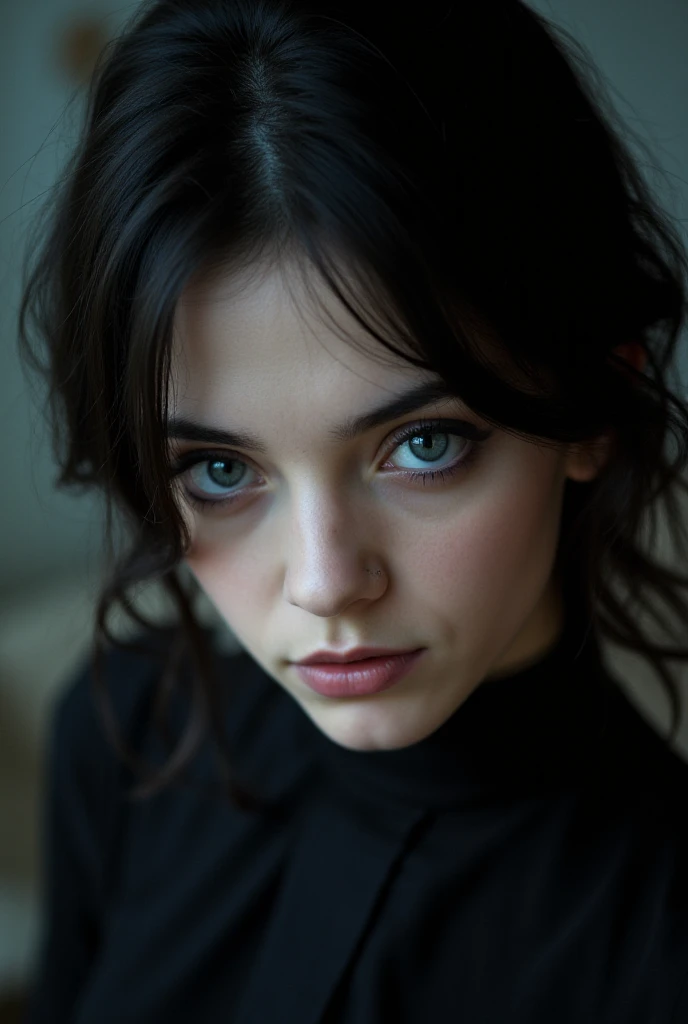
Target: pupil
424	441
218	472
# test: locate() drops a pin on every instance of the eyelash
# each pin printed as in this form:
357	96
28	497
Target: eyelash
469	432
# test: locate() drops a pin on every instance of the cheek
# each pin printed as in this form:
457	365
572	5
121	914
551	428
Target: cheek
493	558
228	577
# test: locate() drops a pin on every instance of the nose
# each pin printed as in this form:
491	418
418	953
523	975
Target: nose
331	562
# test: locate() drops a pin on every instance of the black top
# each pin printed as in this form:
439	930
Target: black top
527	862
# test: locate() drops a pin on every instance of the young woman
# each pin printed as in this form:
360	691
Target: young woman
362	320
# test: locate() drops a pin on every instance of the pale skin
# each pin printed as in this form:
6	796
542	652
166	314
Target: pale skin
465	563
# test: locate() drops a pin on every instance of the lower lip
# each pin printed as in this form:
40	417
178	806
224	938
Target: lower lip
358	678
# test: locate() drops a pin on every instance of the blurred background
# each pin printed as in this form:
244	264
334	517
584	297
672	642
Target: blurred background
49	542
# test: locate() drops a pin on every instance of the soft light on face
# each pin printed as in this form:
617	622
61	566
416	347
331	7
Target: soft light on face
466	561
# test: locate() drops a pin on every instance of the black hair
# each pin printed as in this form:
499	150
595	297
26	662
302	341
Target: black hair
457	177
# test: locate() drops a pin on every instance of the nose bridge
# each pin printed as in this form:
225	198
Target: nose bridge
326	549
321	523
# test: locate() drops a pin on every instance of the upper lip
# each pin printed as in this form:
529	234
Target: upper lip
355	654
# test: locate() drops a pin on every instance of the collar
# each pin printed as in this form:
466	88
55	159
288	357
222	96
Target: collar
524	734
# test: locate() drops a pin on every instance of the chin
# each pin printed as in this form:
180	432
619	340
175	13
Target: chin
367	728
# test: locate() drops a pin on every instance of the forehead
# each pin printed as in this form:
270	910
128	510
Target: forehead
264	328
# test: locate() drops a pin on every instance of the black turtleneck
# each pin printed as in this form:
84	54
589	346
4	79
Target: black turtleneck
534	728
526	862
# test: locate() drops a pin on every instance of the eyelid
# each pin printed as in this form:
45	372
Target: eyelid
471	431
474	434
184	461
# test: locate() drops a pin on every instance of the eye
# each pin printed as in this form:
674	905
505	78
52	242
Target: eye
427	443
208	476
214	479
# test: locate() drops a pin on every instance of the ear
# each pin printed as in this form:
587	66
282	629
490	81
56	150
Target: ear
632	352
585	461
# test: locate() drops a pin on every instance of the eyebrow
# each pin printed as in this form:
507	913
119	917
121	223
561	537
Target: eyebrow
400	405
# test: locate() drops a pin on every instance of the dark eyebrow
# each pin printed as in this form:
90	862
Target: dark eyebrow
401	405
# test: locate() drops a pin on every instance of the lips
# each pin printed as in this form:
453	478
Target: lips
357	679
324	657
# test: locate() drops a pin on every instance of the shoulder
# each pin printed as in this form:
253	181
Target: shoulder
640	778
643	811
653	772
264	732
128	678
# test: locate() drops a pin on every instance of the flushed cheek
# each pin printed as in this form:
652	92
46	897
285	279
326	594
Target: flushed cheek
230	581
492	563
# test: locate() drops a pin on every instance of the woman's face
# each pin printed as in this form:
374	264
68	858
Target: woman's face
465	562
